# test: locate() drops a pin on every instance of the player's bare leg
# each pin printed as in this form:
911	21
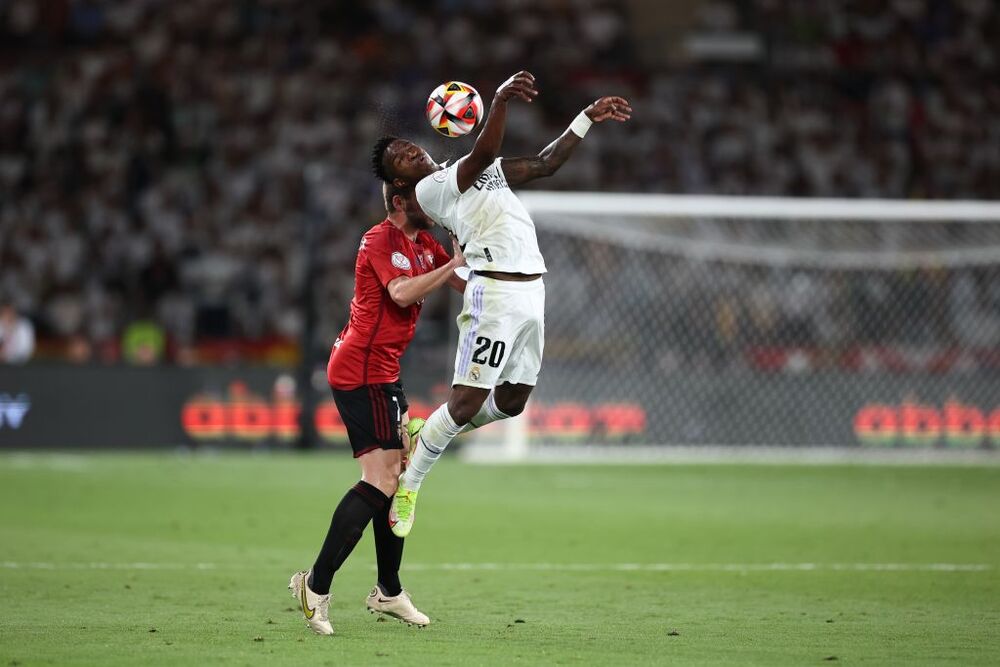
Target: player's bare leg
465	402
439	429
381	467
367	499
467	408
504	401
511	400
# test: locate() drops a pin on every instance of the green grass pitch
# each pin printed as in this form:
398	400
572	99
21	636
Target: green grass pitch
100	564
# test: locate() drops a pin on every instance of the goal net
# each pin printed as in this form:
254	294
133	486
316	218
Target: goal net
762	322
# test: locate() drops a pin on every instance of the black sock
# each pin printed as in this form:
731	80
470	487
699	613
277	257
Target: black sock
355	510
388	552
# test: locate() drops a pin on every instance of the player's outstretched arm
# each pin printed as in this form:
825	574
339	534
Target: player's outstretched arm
488	143
406	291
547	162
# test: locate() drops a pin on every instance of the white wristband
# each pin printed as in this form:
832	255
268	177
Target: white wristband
580	125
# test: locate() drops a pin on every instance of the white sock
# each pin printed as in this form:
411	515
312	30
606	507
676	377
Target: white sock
434	437
487	414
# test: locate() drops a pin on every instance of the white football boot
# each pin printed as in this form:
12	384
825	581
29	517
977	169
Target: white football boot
315	607
398	606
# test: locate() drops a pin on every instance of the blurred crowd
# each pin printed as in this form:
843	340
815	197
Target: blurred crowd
855	98
17	336
188	181
629	307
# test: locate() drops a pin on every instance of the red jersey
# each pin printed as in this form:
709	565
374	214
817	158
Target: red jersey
368	350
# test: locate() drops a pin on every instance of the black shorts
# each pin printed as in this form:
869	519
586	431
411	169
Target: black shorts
372	414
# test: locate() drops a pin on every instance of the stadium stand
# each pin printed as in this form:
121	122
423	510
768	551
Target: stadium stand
159	161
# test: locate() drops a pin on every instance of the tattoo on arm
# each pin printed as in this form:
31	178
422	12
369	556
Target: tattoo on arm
547	162
520	170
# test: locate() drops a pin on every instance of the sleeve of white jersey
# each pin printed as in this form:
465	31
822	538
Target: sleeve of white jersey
438	193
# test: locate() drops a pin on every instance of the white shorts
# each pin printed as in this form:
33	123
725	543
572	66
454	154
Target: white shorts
501	332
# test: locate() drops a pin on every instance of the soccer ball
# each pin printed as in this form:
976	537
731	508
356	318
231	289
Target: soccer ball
454	108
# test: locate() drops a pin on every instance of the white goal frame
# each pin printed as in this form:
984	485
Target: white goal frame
575	212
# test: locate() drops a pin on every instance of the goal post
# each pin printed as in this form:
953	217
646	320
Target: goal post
701	324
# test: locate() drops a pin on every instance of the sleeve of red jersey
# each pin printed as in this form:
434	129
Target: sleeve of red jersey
387	259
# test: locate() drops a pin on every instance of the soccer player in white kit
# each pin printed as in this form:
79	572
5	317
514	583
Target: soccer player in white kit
501	327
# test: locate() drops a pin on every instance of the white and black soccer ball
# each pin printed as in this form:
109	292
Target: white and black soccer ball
454	109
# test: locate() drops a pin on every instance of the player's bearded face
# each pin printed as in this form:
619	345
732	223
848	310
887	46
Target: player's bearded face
414	215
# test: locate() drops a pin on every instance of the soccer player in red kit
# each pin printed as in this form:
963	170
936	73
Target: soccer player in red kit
398	264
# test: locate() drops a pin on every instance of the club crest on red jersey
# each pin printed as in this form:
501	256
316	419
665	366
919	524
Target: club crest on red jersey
401	261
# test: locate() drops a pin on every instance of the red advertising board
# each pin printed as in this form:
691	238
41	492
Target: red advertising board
954	424
247	417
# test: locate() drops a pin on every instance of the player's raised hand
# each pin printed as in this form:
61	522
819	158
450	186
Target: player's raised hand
520	85
609	108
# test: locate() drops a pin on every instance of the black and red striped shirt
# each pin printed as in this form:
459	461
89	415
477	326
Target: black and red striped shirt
369	348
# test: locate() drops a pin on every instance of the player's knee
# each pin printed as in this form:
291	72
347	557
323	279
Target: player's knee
465	402
512	407
387	483
395	467
462	413
463	407
385	476
511	399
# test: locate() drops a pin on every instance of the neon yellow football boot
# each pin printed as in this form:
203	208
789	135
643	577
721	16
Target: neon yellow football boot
413	428
403	506
401	512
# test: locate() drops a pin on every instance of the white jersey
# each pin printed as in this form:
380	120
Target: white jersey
493	227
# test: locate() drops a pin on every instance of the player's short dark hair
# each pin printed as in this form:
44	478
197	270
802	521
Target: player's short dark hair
378	158
389	191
